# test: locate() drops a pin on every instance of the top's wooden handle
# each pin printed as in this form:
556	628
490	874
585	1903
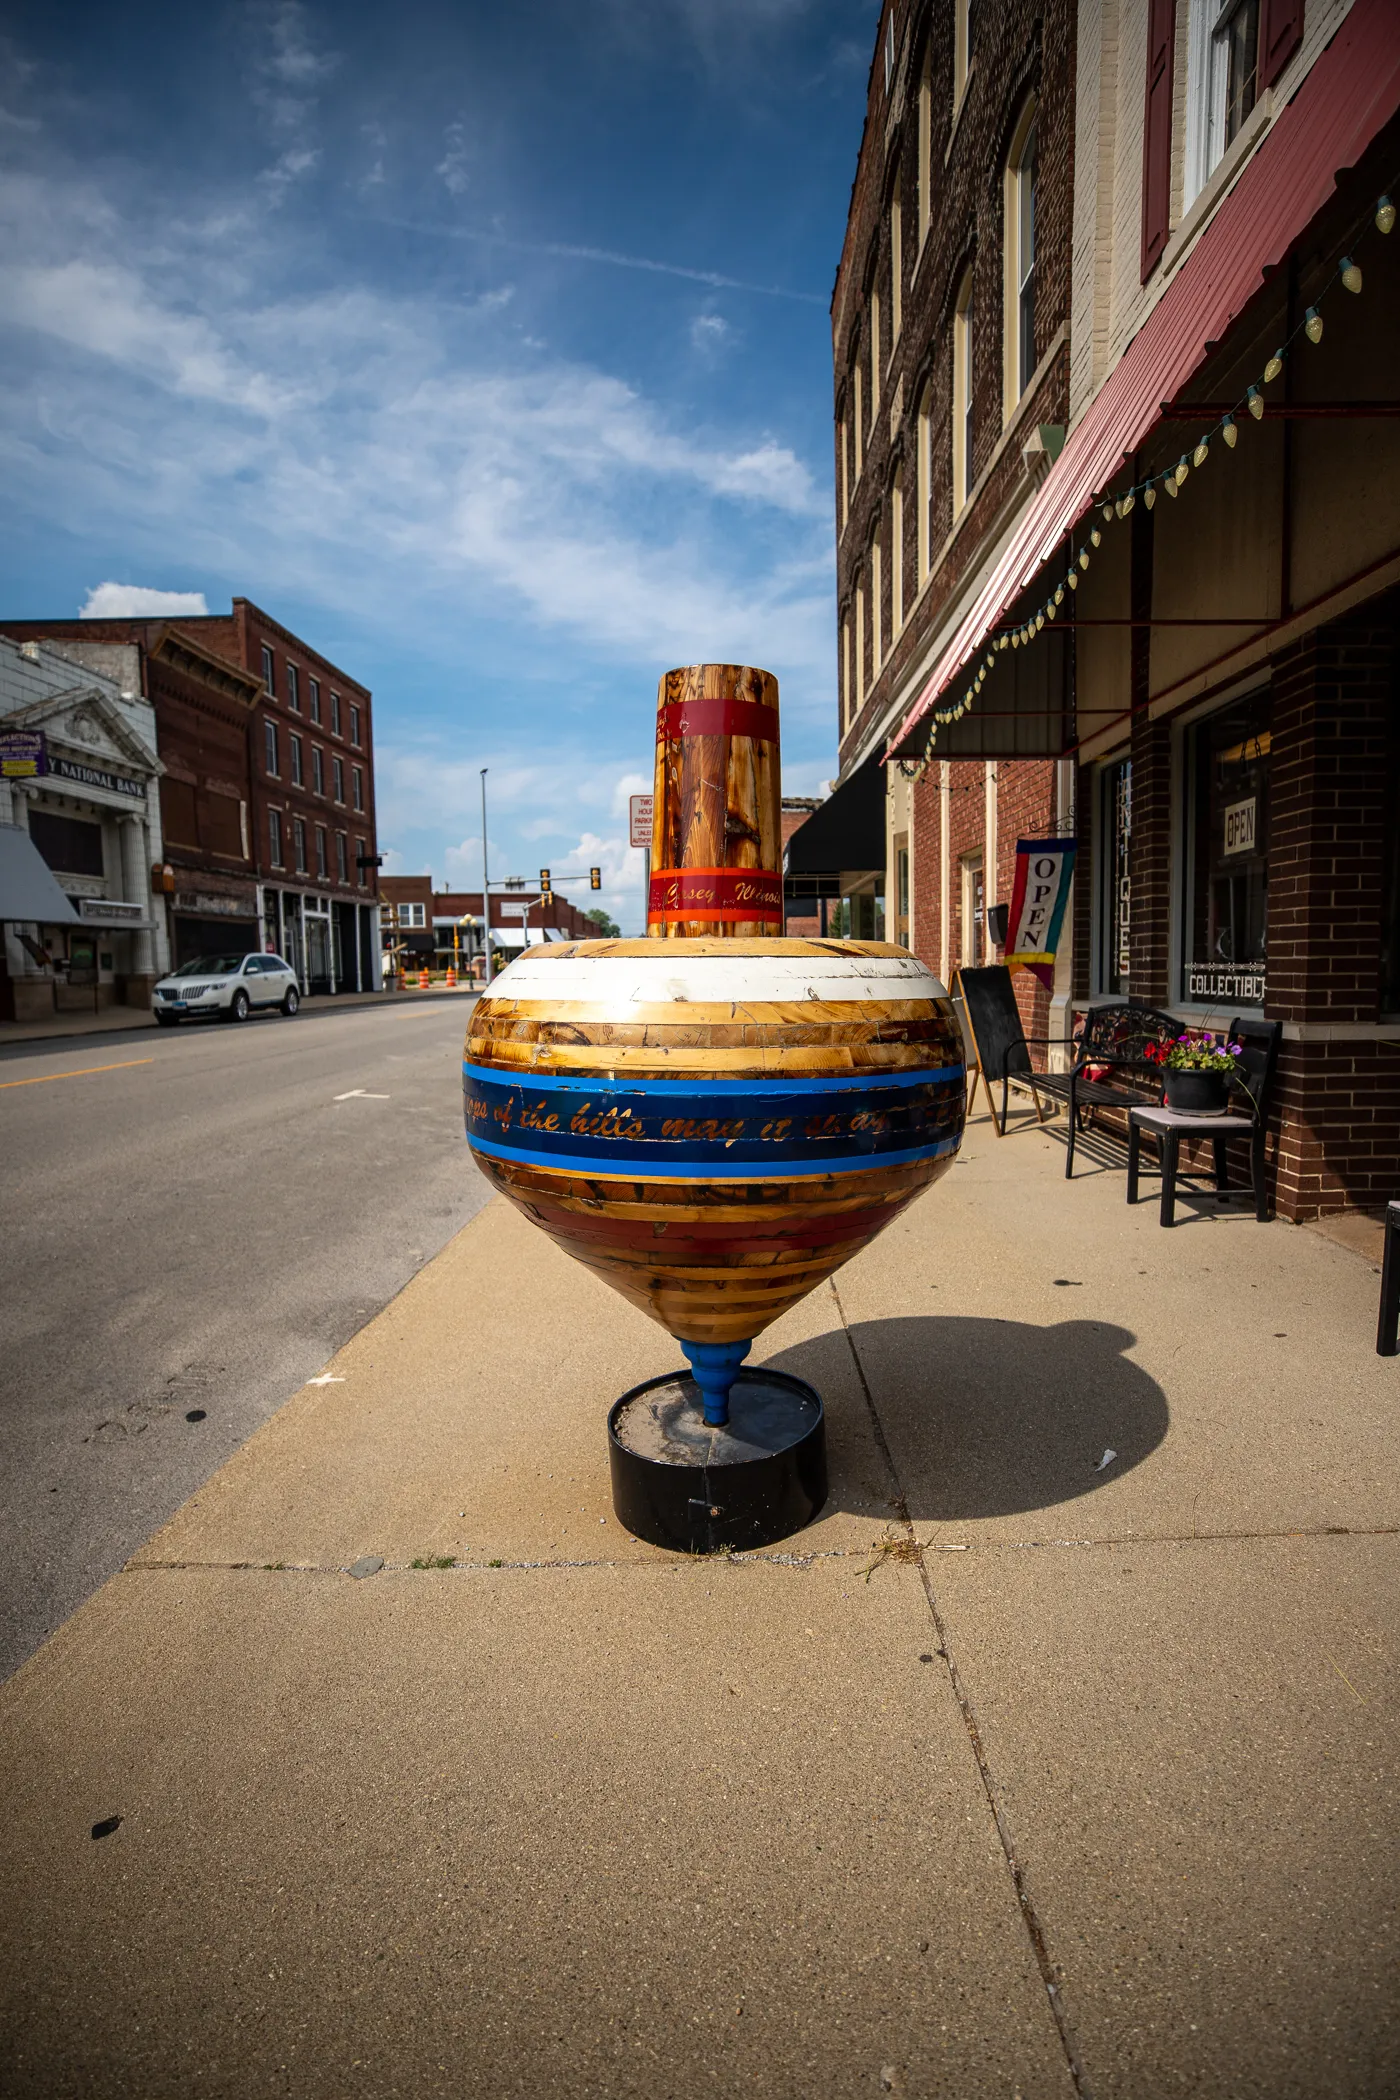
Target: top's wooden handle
716	850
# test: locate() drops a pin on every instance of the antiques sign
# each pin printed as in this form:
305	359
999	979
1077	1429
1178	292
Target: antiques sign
23	754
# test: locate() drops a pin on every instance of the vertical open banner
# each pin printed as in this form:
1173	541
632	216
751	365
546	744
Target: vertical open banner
1044	871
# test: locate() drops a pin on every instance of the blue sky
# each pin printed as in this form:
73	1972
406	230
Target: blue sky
487	347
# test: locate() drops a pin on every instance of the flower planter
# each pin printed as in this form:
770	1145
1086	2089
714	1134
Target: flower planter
1197	1093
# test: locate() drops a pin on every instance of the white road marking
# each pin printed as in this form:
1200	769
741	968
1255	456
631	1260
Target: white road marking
357	1093
325	1379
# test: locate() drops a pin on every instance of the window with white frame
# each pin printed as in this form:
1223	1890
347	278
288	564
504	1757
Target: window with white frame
294	688
269	671
342	857
318	770
1021	168
1222	84
338	778
896	555
860	645
859	393
354	723
889	49
874	352
962	394
361	856
843	467
846	709
322	865
962	47
876	607
357	786
295	743
896	271
299	844
413	915
274	837
314	695
924	170
925	480
270	747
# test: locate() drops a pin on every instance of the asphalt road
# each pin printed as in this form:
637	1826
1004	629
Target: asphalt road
198	1227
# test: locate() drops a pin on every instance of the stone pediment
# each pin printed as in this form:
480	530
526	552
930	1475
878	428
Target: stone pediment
87	722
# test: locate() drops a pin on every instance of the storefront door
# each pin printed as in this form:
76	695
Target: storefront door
1227	870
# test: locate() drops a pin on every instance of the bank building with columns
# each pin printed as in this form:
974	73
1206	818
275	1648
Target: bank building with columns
79	793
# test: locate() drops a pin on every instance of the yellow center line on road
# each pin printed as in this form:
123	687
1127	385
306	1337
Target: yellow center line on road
82	1072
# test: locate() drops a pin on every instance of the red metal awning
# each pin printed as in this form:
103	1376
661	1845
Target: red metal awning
1350	92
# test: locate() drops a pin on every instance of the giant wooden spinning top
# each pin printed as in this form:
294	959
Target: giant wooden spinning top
715	1118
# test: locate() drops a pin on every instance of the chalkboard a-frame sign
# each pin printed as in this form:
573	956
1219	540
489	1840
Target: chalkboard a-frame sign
998	1037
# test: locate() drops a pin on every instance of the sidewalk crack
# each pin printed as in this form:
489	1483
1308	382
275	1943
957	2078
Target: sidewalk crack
1030	1917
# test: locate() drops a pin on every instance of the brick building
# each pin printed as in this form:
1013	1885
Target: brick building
1210	455
429	926
267	799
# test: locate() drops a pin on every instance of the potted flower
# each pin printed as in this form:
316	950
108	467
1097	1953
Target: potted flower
1196	1072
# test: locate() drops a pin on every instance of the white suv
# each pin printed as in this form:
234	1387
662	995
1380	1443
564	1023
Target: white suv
229	985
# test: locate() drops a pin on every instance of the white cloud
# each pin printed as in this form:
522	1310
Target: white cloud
453	165
135	601
709	333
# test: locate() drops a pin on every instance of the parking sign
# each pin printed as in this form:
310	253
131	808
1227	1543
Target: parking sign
640	809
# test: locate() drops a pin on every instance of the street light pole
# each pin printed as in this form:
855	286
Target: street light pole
485	885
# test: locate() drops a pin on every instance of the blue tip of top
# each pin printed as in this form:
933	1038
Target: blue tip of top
716	1366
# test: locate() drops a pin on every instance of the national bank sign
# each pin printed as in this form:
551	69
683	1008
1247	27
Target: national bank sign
96	777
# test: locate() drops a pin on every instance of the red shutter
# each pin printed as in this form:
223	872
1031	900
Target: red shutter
1157	135
1280	33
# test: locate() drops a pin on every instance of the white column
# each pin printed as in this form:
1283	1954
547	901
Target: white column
136	890
945	801
301	929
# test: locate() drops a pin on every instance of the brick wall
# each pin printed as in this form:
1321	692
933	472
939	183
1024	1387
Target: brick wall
1020	48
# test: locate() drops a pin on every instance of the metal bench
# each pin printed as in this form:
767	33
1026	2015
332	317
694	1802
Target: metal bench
1112	1040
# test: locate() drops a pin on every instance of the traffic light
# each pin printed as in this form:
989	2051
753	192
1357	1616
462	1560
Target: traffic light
546	886
595	878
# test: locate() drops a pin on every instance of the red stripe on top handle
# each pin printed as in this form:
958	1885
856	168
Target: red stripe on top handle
708	892
717	718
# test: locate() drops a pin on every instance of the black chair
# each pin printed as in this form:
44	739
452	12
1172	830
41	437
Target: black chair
1254	1074
1389	1326
1113	1038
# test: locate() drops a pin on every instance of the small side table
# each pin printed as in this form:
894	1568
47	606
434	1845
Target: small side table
1390	1284
1169	1126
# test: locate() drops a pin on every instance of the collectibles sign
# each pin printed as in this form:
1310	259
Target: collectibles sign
1044	869
24	754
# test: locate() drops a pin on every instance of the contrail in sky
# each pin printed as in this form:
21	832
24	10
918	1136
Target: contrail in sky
575	253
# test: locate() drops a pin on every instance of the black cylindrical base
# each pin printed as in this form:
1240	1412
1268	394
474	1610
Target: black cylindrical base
696	1490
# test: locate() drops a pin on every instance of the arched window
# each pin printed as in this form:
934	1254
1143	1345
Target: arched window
896	271
962	394
925	479
846	710
962	47
874	351
860	646
858	386
1020	258
877	608
924	173
843	468
896	555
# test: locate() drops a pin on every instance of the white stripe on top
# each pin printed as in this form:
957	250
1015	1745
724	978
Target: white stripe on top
553	975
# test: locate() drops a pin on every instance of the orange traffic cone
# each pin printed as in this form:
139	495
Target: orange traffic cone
451	979
403	982
422	980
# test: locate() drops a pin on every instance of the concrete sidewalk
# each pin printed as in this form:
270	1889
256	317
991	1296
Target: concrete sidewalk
1058	1756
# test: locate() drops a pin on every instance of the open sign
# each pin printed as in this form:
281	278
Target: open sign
1240	825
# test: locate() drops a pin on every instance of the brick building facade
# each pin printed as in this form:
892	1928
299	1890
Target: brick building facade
1211	706
427	924
268	795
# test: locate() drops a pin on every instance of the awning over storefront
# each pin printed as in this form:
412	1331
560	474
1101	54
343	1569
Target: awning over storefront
847	834
1349	94
28	891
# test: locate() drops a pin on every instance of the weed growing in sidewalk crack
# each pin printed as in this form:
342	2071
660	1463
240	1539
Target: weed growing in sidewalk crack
432	1560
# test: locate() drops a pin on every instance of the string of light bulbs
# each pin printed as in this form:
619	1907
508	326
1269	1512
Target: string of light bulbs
1112	510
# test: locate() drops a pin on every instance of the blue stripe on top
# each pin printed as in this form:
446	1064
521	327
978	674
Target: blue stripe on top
693	1128
712	1170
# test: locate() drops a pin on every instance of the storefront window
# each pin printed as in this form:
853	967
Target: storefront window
1115	896
1227	843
